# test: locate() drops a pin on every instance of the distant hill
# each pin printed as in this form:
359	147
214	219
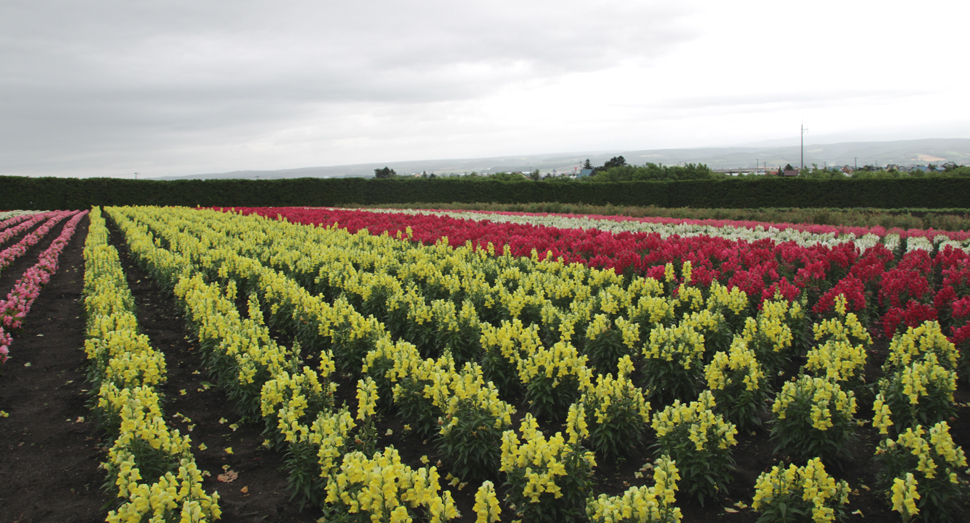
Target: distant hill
902	152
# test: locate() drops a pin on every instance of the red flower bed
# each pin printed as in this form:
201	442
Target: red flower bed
892	294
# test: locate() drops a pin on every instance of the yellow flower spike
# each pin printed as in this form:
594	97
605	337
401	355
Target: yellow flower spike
487	509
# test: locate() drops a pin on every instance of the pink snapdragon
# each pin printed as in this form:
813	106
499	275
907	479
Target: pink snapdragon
8	255
14	309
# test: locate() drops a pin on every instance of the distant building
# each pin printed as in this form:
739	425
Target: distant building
584	173
789	171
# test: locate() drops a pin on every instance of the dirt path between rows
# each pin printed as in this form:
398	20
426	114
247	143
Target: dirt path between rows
49	453
50	447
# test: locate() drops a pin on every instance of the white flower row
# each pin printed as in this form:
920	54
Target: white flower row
803	238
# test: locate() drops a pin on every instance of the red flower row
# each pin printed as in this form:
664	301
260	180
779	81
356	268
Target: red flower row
889	294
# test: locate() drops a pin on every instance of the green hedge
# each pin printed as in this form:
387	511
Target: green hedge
73	193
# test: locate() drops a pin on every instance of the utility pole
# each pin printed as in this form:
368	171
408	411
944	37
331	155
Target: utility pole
803	146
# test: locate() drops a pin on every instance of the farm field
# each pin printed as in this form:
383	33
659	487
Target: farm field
247	355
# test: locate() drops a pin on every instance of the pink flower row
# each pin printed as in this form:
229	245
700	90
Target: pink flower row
13	220
25	291
13	232
8	255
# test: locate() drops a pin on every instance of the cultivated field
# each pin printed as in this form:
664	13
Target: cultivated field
293	364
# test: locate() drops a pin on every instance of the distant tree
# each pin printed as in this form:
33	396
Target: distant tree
507	177
384	173
534	174
616	161
587	165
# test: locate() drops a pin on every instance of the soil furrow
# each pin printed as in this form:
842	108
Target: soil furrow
196	407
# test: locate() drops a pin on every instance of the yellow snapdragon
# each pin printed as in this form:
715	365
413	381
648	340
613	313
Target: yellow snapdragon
641	504
385	488
807	487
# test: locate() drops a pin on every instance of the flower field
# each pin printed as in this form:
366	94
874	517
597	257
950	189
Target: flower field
439	366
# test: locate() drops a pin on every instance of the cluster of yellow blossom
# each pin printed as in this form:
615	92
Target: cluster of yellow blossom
919	391
738	367
641	504
840	354
821	400
173	495
805	487
921	466
769	334
128	371
332	433
844	327
918	342
293	399
613	397
468	389
487	509
385	488
703	426
938	453
904	496
731	303
366	398
286	393
511	341
612	413
682	344
540	461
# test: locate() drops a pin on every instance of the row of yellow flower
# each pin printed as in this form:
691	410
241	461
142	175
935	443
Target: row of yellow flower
500	411
293	395
151	463
539	306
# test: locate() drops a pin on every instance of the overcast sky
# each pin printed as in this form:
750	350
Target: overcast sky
113	87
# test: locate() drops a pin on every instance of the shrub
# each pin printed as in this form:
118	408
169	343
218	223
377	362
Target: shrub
641	504
813	417
924	469
799	494
547	480
700	442
738	384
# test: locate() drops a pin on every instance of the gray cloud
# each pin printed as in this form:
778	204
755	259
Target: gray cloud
83	80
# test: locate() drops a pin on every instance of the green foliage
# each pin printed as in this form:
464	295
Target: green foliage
920	393
617	170
923	473
679	186
738	384
384	173
800	494
548	479
813	417
700	442
470	440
